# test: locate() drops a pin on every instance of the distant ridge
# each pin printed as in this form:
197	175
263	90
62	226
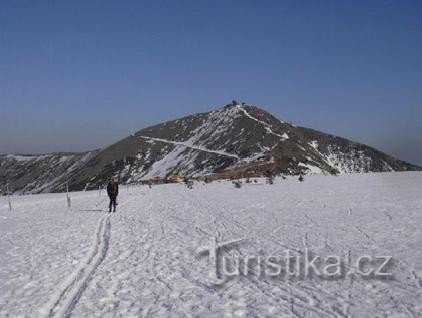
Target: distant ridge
235	140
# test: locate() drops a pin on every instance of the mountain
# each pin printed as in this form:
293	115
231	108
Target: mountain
236	140
40	173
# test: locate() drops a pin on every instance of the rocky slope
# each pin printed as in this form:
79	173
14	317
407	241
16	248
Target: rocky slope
40	173
237	139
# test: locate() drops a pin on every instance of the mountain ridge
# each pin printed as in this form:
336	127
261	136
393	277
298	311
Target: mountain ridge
236	140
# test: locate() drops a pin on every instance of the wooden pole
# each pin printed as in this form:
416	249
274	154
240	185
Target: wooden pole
8	196
99	190
67	195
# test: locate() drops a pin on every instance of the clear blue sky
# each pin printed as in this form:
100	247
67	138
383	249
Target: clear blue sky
77	75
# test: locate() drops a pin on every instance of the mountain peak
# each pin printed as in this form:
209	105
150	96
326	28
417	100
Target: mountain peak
236	140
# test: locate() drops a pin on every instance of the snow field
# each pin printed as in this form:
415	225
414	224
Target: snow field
142	261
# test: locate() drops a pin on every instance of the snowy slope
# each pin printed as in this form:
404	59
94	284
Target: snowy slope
40	173
143	261
235	140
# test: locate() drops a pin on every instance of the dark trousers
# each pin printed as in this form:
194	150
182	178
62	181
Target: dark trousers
112	204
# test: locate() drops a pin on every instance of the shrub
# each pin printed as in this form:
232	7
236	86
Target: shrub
188	183
237	184
269	174
207	180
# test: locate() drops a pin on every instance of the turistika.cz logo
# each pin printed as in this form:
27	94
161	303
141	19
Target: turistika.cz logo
300	264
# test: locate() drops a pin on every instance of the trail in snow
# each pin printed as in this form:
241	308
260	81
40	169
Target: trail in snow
152	268
218	152
63	302
267	126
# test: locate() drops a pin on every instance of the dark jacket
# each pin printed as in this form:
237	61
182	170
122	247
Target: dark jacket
112	189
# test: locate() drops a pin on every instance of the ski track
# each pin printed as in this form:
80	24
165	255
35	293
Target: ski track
65	300
70	292
146	264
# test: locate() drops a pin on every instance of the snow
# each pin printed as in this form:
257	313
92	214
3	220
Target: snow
314	144
143	261
340	161
349	162
311	168
182	157
190	145
267	126
352	161
47	186
161	168
216	125
52	169
21	158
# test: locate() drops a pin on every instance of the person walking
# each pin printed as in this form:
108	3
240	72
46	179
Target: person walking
112	191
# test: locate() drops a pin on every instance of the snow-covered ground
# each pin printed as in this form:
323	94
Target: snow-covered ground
143	261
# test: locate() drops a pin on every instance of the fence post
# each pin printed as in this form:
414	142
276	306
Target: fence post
8	196
67	195
99	191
